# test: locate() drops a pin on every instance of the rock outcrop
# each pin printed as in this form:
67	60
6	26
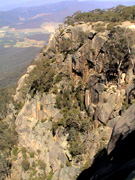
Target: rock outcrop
71	99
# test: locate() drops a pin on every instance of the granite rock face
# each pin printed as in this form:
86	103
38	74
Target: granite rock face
66	129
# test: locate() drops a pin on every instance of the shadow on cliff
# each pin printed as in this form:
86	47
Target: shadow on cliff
117	165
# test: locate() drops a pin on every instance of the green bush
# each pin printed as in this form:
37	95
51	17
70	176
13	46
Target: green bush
25	165
50	118
58	78
76	147
68	163
125	105
85	166
59	101
65	45
55	125
40	79
82	36
41	107
61	165
110	26
41	164
100	27
38	151
15	151
23	150
43	120
93	51
50	175
55	90
32	154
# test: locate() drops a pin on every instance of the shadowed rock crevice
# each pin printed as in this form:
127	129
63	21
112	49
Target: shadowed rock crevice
119	162
118	165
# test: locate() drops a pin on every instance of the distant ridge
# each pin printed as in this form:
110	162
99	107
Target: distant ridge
22	17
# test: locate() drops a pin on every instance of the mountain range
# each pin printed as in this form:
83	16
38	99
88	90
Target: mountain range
34	16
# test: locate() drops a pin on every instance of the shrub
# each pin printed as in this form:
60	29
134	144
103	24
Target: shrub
32	154
53	60
100	29
50	175
61	31
85	166
93	51
18	106
55	90
41	164
61	165
55	125
105	89
25	165
82	36
50	118
23	150
59	101
15	151
40	79
58	78
110	26
43	120
65	45
41	107
76	147
68	163
38	151
125	105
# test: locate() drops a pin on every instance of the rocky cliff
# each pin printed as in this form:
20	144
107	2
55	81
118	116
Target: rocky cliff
71	100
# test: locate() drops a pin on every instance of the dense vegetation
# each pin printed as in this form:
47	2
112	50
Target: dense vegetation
5	99
8	138
118	50
41	78
70	101
118	14
8	134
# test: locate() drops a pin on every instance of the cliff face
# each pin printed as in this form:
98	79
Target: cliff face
71	98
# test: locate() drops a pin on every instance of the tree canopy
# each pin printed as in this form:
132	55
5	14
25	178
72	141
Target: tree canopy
115	14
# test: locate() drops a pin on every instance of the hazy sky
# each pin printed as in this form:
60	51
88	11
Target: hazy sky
4	2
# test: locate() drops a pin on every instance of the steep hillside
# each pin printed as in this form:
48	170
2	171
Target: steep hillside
68	102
